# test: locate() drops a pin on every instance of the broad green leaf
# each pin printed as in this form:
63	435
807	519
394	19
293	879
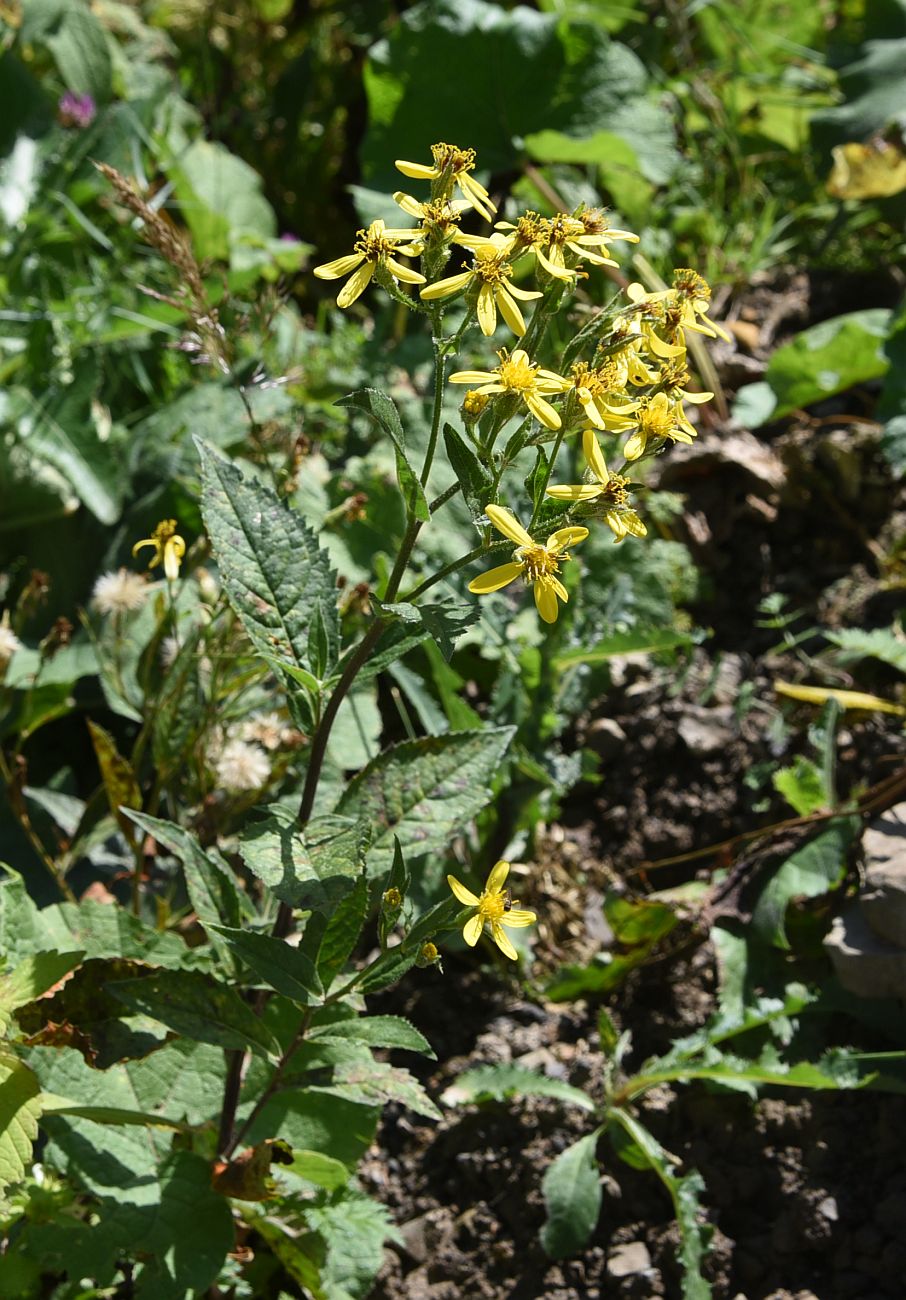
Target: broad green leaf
382	410
52	1104
57	428
390	967
376	1031
278	963
277	577
828	358
314	1120
312	870
572	1197
641	1149
320	1169
546	75
873	94
500	1082
638	920
645	145
198	1007
213	891
424	791
20	1106
75	38
376	1082
815	869
33	977
221	199
120	784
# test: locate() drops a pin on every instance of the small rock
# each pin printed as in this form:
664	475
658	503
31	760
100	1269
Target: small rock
865	964
827	1208
883	898
705	731
628	1259
606	737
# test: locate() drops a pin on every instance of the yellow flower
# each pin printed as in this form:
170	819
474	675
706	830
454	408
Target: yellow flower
655	419
686	304
374	247
169	547
491	270
534	563
495	910
594	385
442	217
516	374
572	233
610	490
452	165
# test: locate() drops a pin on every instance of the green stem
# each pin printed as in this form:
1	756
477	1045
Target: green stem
444	497
439	368
453	567
547	476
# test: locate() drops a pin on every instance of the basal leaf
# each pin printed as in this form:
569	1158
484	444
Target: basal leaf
815	869
277	577
572	1197
424	791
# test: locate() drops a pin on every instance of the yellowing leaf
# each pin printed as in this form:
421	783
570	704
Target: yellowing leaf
867	171
846	699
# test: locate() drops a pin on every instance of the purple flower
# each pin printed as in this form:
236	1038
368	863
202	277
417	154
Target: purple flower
76	110
289	238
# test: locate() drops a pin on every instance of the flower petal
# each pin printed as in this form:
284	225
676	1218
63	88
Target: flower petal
472	929
564	538
174	550
506	522
503	942
486	310
473	376
409	204
494	579
527	295
635	446
418	171
518	917
464	895
509	310
542	410
404	273
357	283
546	602
594	456
339	267
446	288
575	491
147	541
496	877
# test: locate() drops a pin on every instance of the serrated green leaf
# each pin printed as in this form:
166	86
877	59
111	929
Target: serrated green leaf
639	1148
879	643
278	963
33	977
212	890
314	870
376	1082
199	1008
500	1082
424	791
382	410
572	1197
390	967
654	641
354	1229
342	931
315	1120
445	622
20	1107
376	1031
802	786
274	572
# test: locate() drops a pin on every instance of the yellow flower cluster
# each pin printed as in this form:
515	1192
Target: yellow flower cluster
635	387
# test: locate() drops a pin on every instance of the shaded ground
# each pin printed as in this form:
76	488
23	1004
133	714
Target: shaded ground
807	1194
